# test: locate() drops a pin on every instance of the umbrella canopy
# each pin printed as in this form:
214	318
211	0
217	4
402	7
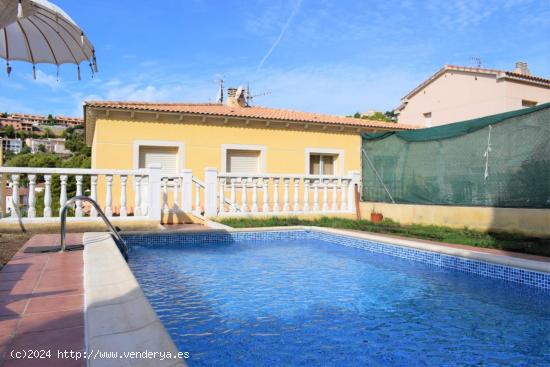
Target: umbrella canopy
38	31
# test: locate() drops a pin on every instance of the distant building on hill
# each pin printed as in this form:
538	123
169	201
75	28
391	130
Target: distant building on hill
26	122
51	145
11	145
458	93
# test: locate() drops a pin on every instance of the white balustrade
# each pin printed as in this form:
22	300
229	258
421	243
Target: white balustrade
244	195
93	194
78	203
197	198
334	195
232	198
344	205
123	210
165	194
47	196
85	181
63	195
306	195
316	195
254	194
296	205
31	213
137	196
222	195
276	207
286	185
325	195
265	195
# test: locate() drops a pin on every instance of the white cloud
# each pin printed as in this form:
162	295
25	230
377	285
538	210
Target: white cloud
47	79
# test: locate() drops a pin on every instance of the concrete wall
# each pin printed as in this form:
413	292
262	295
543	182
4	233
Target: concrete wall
456	96
534	222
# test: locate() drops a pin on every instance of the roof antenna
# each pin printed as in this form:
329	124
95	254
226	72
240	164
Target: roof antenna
219	98
477	62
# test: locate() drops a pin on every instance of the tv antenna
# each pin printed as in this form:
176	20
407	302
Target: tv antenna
477	62
219	97
250	97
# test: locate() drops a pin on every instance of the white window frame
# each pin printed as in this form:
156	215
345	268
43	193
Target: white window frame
159	143
261	148
338	162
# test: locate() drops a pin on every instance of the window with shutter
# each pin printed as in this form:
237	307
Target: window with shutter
167	157
321	164
243	161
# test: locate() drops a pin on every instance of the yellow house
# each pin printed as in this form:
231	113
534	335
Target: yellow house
233	138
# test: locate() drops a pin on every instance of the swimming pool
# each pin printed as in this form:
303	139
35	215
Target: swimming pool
302	298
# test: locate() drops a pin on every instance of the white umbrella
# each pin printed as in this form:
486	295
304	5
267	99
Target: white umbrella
38	31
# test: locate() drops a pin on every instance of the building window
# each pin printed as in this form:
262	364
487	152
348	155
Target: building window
428	119
243	161
527	103
321	164
166	157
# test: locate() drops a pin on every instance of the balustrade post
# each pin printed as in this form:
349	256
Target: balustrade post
165	194
93	194
78	203
154	210
187	191
222	195
344	199
210	192
2	196
109	196
286	203
316	195
123	209
244	195
47	196
233	196
14	195
255	194
31	213
306	195
63	195
197	198
296	206
325	194
177	188
265	194
137	196
276	207
335	195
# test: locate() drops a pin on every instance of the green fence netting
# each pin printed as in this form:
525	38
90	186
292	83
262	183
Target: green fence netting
497	161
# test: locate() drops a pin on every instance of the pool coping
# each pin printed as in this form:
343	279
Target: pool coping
118	317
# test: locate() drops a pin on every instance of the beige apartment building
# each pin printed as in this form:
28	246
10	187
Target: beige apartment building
457	93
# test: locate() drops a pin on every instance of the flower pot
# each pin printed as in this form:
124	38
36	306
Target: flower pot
376	217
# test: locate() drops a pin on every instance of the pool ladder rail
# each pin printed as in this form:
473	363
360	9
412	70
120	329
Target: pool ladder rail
118	239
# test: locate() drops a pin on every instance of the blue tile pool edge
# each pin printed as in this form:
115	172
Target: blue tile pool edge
508	273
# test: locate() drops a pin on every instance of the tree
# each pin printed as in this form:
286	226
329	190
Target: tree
357	115
51	120
9	131
42	148
5	114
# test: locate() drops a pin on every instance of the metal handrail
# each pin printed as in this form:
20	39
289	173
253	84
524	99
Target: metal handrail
112	229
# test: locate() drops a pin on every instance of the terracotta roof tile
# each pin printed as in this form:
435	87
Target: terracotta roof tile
215	109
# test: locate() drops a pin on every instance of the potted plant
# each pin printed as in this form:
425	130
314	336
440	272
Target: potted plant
375	217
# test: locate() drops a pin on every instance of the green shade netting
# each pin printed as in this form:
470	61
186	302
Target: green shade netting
497	161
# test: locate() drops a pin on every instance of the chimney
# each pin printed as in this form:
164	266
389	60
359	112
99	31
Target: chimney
236	97
522	68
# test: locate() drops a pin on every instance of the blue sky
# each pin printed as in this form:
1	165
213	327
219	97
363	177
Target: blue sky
330	56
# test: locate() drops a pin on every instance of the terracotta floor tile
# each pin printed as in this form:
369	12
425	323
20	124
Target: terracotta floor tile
57	279
50	304
21	267
70	339
8	325
51	321
27	274
12	306
23	283
58	291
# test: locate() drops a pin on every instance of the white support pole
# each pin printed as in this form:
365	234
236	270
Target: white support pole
137	196
78	203
335	195
14	195
254	194
276	207
244	195
63	195
316	195
187	191
2	187
265	195
210	192
325	195
154	196
221	205
109	196
344	198
47	196
233	196
354	184
32	196
286	202
165	194
93	194
296	206
306	195
123	209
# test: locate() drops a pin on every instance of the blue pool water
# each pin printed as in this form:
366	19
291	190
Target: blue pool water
309	302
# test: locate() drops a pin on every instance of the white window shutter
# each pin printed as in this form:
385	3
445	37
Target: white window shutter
167	157
243	161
